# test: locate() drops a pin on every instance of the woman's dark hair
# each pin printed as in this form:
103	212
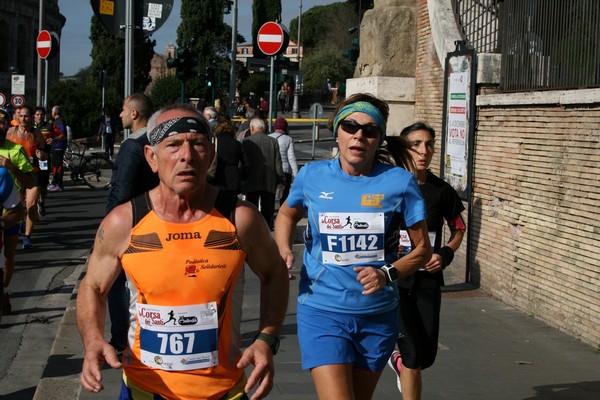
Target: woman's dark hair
396	151
381	105
418	126
224	127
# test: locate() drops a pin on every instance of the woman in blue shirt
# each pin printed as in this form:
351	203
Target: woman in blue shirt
347	305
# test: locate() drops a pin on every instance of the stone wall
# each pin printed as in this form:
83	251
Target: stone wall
386	66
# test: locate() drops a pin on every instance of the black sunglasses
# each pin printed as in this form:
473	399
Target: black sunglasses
351	127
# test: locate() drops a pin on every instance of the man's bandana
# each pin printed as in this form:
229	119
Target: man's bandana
364	107
176	126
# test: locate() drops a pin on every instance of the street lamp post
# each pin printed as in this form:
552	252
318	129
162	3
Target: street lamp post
233	71
40	100
296	107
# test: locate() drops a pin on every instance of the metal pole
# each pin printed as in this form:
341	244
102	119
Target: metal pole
45	98
296	106
129	32
233	70
314	131
40	82
271	93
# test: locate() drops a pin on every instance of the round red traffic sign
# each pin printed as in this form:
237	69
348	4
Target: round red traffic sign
272	38
44	44
2	99
17	100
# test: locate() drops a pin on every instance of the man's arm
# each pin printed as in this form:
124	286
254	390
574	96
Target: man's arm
291	154
60	130
11	201
24	177
104	265
264	260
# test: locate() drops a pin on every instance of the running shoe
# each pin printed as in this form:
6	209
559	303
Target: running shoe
27	242
53	188
6	307
395	363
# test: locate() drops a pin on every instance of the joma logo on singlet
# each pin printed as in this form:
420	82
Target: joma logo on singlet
183	236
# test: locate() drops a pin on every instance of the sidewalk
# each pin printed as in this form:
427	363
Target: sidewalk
487	351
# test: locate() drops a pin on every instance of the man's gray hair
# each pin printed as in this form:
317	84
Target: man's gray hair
258	124
211	111
56	110
250	113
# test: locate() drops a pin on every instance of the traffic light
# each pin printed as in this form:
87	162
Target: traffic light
184	62
183	57
224	79
172	62
353	53
209	76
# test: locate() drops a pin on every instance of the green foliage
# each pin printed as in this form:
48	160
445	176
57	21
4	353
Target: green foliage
255	83
263	11
166	90
202	28
325	25
324	36
81	104
322	64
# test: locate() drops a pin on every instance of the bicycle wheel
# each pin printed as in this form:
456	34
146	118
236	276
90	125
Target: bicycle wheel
96	171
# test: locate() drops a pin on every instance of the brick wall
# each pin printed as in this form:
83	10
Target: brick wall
535	224
535	220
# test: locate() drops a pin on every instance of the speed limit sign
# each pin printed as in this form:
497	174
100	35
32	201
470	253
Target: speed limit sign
18	100
2	99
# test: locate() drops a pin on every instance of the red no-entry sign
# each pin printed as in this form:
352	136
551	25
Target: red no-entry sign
44	44
272	38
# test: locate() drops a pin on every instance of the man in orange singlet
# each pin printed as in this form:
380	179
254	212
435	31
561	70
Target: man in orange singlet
35	146
183	246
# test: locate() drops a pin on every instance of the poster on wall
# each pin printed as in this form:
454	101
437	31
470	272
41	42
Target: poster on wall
457	126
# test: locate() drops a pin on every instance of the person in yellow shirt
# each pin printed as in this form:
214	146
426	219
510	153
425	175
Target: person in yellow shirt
15	160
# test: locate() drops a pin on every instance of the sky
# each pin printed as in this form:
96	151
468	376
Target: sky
75	47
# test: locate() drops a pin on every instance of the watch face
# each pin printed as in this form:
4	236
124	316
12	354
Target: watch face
393	273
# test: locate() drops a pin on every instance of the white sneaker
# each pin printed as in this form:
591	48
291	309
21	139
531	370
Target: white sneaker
395	363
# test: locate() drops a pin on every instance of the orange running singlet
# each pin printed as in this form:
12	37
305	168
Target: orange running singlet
28	144
185	338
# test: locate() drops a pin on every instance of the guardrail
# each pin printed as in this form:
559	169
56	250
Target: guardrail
320	120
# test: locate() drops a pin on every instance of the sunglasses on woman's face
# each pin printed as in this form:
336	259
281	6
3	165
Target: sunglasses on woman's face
351	127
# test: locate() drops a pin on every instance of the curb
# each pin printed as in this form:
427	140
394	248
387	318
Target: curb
60	379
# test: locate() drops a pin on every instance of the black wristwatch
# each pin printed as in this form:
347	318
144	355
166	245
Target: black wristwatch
391	273
272	341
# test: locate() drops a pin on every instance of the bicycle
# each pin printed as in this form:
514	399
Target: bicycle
94	169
